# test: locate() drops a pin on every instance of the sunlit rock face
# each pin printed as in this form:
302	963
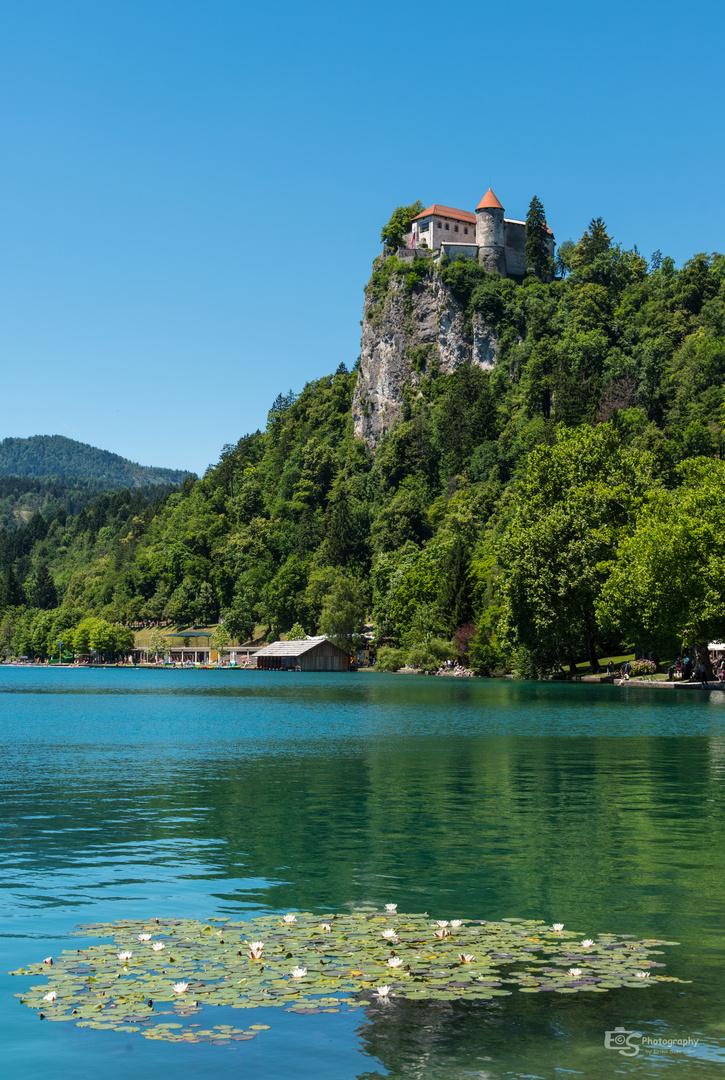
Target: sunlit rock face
409	334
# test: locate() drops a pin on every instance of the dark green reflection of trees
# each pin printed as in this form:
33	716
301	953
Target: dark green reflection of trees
601	833
523	1035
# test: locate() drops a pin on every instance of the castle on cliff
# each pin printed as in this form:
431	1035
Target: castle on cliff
495	241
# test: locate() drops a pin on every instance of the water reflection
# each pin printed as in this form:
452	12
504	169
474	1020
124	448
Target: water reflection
466	800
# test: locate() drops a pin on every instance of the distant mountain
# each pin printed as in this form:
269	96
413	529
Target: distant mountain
61	459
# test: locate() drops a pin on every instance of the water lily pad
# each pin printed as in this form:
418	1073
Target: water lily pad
343	966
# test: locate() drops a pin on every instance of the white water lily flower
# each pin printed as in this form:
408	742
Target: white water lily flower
290	918
574	972
144	937
181	987
558	926
255	949
383	991
442	933
443	923
455	923
587	943
641	974
48	960
466	957
298	972
125	956
158	946
394	962
389	935
50	996
325	927
391	907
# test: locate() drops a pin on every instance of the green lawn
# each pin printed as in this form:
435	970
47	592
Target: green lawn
585	669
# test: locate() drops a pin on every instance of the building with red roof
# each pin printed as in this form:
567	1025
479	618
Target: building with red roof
487	235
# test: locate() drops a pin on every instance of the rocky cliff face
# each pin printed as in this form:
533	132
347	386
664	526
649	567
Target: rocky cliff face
409	332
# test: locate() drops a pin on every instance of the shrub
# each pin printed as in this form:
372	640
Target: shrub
642	667
429	655
390	659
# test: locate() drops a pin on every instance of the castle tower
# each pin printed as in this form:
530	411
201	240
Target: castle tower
490	233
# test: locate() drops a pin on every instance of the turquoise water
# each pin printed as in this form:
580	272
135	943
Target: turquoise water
130	794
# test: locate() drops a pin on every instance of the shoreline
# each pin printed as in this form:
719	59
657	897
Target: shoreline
587	680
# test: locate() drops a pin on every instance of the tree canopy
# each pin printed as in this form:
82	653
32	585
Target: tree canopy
667	586
549	501
399	224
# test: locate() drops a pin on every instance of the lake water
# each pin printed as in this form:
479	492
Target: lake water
131	794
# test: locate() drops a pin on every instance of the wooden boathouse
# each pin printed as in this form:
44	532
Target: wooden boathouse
308	654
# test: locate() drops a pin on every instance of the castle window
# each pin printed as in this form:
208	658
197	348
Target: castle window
456	228
447	225
465	229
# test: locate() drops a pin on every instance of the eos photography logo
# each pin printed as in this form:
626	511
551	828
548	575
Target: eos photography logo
620	1039
626	1043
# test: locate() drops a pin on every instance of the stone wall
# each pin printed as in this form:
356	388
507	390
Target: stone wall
468	251
515	240
403	338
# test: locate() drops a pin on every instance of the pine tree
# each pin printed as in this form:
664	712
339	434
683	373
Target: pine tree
341	532
595	241
43	593
456	587
537	249
11	592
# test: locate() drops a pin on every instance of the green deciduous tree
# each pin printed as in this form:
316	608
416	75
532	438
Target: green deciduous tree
206	608
220	639
464	418
158	643
574	503
343	613
122	640
668	583
284	596
399	224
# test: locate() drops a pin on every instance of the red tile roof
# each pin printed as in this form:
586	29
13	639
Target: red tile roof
489	201
447	212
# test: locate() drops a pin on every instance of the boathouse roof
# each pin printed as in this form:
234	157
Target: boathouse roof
296	648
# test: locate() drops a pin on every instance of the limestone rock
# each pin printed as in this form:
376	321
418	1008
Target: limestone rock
407	335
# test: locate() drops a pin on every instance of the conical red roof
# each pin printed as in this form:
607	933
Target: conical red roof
489	201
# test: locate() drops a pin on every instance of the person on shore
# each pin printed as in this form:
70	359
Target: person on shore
703	672
687	674
610	668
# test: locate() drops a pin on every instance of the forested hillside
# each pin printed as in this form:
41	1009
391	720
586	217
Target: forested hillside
563	505
59	458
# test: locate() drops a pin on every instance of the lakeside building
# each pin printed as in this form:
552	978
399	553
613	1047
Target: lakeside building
191	645
308	654
488	236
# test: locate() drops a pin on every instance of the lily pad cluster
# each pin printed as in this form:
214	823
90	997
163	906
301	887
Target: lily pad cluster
305	963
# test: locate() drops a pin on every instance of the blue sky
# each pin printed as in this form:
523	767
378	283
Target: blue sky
192	192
